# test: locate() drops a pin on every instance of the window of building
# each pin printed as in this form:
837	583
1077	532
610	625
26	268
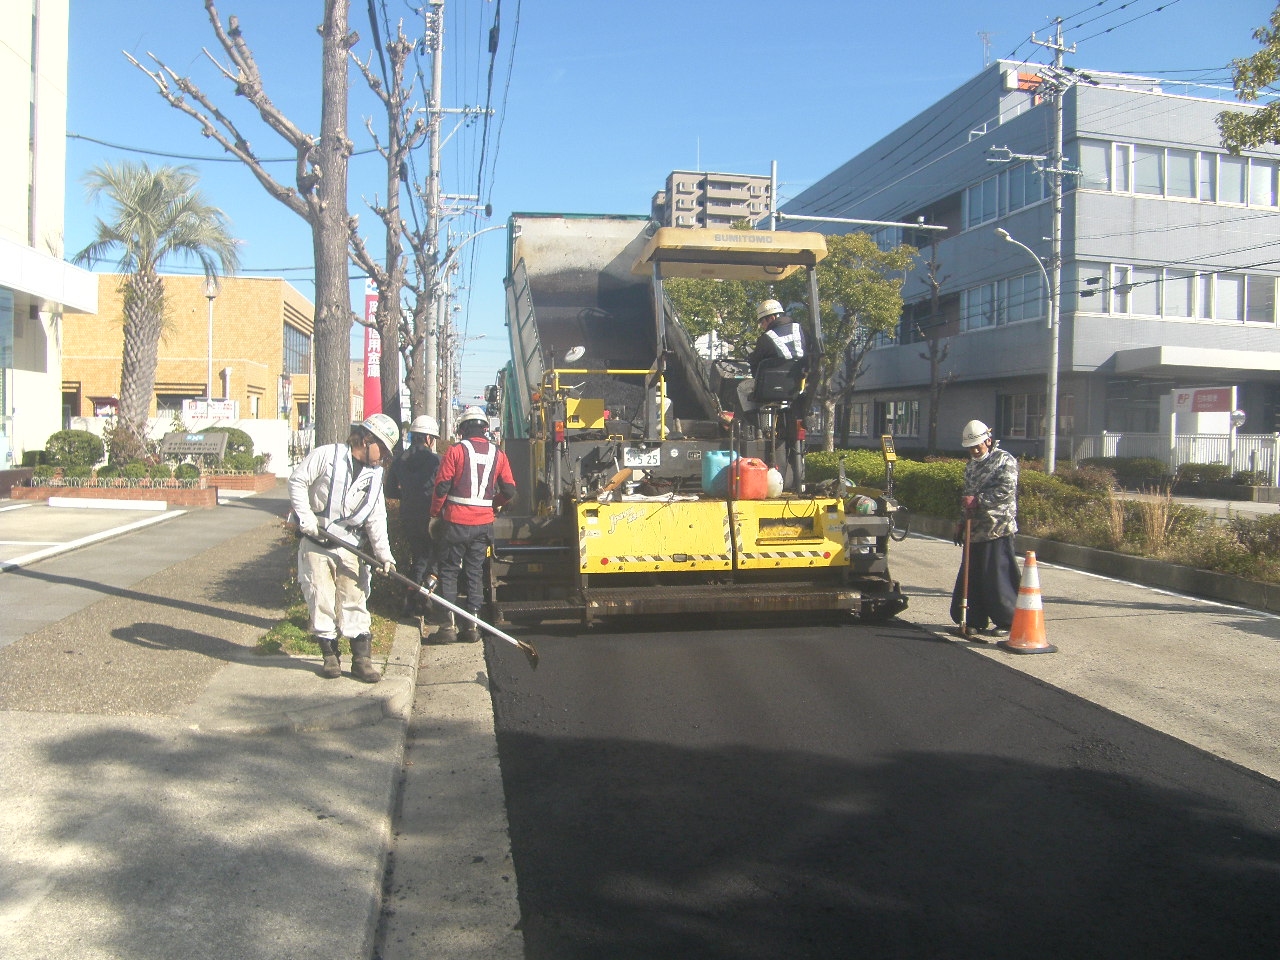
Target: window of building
297	351
1095	165
902	418
1209	177
1148	170
1181	180
1021	416
1145	295
1260	299
859	419
1232	175
1179	293
1228	296
1123	168
1121	284
1008	190
1262	183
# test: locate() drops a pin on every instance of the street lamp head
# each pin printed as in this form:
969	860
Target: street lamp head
211	287
1003	234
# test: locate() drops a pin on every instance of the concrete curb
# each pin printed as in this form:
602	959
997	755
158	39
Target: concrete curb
392	698
1143	570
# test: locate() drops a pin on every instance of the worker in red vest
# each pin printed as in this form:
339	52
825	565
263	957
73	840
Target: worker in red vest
474	478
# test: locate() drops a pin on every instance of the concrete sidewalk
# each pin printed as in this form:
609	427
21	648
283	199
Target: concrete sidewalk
169	792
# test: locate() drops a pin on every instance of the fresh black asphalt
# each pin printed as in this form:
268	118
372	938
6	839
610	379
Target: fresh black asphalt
804	790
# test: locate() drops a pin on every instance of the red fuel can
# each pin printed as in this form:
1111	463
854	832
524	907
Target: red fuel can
749	478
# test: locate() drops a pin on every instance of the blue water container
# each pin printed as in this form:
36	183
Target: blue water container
715	471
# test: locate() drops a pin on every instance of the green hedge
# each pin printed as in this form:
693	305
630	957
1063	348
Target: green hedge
1133	473
73	448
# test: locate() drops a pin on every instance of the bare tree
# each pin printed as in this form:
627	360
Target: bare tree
320	194
403	133
937	349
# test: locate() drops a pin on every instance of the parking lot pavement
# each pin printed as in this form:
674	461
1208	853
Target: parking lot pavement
31	531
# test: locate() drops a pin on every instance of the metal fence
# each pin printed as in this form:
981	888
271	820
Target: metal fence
1253	451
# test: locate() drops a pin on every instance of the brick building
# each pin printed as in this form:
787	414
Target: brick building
260	353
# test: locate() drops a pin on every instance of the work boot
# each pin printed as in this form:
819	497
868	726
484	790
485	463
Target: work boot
468	632
361	662
445	634
331	669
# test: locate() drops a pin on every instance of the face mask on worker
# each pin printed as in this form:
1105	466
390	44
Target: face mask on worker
980	452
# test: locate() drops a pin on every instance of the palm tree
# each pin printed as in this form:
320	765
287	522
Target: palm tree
158	215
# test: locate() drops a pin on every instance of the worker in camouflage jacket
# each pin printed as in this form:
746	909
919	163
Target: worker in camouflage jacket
989	502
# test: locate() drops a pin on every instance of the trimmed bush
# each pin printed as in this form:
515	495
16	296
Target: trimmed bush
187	471
1133	473
43	471
109	472
159	471
1203	472
72	448
1251	478
81	471
34	458
237	441
134	470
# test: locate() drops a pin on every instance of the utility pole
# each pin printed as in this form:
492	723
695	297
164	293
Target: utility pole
1054	82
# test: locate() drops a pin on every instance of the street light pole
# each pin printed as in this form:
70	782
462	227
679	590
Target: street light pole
1051	392
210	292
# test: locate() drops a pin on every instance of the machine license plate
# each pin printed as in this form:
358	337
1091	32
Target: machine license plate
638	457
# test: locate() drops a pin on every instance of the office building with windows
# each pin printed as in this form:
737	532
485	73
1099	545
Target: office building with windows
695	199
254	336
1170	258
37	287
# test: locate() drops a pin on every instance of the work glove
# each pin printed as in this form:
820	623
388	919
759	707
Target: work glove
388	567
435	529
307	526
431	583
969	503
957	537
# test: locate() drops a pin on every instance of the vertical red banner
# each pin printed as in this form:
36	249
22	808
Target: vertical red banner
372	355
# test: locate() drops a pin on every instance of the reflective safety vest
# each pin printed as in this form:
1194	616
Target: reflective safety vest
341	520
477	477
790	345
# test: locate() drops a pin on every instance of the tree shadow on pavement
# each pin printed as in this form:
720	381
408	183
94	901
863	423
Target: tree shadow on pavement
155	842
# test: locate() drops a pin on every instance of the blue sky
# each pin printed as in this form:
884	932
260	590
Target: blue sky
597	101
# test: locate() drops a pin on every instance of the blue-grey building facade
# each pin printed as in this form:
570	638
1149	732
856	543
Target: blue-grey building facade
1170	259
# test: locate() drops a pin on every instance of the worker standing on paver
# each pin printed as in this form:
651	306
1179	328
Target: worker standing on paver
475	476
337	497
411	480
989	504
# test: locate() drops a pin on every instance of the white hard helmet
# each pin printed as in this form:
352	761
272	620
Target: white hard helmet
384	428
768	309
974	433
425	425
475	413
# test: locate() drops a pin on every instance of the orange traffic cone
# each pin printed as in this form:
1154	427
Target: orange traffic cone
1027	633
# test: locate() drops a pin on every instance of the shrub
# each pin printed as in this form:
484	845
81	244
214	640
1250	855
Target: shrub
238	461
237	440
159	471
71	448
109	472
1261	537
43	471
187	471
81	471
1133	473
34	458
1091	479
1251	478
1203	472
134	470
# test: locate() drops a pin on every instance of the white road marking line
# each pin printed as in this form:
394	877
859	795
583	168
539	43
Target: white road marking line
28	558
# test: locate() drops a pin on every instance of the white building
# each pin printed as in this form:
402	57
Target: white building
36	284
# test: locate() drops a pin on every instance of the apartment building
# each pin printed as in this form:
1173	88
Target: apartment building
37	288
697	199
249	346
1170	258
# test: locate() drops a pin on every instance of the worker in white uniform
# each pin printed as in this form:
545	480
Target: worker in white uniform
336	495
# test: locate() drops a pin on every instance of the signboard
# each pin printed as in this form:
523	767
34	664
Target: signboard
211	409
372	353
1205	400
192	444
